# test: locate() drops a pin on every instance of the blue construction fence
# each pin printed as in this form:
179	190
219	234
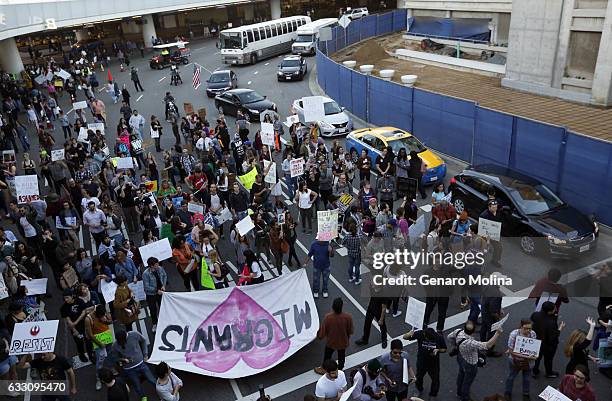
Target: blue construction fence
577	167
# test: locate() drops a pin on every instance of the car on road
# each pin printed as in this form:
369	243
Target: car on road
334	122
169	54
531	211
292	68
357	13
248	101
221	81
376	139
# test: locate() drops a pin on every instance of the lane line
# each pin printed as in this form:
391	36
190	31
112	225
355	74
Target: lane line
249	83
139	97
267	63
256	72
236	389
161	79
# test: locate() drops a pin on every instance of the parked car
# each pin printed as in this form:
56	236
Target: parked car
531	211
221	81
335	122
292	68
356	13
376	139
248	101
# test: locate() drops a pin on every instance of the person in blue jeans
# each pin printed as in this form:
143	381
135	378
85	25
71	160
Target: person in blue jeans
519	363
320	252
352	242
130	350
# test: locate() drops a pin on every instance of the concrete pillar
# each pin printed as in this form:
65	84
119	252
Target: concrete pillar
602	79
81	35
448	14
275	9
148	30
10	60
562	52
249	12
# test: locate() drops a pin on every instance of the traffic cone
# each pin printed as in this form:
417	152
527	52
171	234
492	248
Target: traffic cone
109	75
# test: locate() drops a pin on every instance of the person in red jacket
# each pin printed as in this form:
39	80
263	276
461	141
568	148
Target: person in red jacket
337	328
576	386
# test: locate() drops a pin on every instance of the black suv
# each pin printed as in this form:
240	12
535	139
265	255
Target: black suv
530	210
292	68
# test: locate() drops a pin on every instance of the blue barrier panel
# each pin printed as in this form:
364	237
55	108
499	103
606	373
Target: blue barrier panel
359	93
399	20
537	150
321	73
493	137
426	108
385	23
368	26
345	88
457	127
396	109
332	81
353	31
586	178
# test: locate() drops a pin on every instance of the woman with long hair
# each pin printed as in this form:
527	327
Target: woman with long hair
255	275
304	198
577	347
186	264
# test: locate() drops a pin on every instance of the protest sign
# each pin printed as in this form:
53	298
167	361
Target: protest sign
151	186
125	162
245	225
327	225
293	119
546	297
34	337
489	229
96	127
154	133
527	346
500	323
415	313
224	215
417	230
405	375
36	315
138	290
26	187
108	289
270	178
8	156
57	154
35	286
79	105
248	179
83	135
159	249
604	352
552	394
267	134
40	79
281	313
63	74
296	167
347	394
314	109
206	279
195	208
3	288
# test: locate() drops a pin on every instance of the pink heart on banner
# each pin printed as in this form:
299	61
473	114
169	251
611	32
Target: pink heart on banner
237	329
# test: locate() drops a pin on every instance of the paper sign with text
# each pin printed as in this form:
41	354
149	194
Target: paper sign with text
267	134
159	249
415	313
296	166
34	337
57	154
26	187
489	229
527	346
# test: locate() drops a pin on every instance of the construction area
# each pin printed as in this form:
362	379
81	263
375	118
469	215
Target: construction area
485	90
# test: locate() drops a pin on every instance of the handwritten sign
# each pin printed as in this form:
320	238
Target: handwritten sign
70	221
267	134
63	74
83	135
327	225
296	167
195	208
154	133
245	225
527	346
415	313
108	289
270	178
34	337
96	127
552	394
489	229
224	215
294	119
57	154
125	162
138	290
26	187
500	323
313	107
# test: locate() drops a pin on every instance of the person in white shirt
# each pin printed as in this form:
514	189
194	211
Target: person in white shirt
95	220
369	383
255	274
332	384
137	122
168	384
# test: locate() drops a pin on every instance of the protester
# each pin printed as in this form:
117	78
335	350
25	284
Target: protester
518	362
332	384
168	385
337	329
576	386
430	345
320	252
393	370
130	350
548	331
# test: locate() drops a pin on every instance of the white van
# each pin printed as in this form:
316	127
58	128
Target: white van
308	34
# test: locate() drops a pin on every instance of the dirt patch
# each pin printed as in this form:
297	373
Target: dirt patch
369	53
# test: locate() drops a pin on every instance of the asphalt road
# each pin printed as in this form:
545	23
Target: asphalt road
293	378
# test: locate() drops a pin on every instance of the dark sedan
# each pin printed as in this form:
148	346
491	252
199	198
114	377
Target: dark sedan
530	210
248	101
221	81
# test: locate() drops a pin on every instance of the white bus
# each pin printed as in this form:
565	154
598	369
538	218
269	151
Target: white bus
251	43
307	36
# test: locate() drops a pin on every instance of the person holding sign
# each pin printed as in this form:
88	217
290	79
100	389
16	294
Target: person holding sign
332	384
518	362
492	214
548	331
97	330
430	345
154	280
393	364
305	199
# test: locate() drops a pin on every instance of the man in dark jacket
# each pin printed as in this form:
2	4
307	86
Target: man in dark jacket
493	214
548	330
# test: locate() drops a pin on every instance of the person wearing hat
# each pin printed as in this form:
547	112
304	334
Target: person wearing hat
130	350
492	214
369	383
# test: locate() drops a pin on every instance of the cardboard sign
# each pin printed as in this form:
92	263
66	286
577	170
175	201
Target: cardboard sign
125	162
313	107
57	154
489	229
34	337
79	105
83	135
96	127
154	134
224	215
245	225
138	290
106	338
527	346
26	187
552	394
327	225
36	286
415	313
159	249
296	167
195	208
267	134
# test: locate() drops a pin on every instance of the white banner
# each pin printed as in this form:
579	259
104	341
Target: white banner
26	187
159	249
527	346
327	225
314	109
125	162
236	332
267	134
270	178
57	154
415	313
489	229
34	337
36	286
296	166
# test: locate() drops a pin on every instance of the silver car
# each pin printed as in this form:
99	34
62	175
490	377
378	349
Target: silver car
335	122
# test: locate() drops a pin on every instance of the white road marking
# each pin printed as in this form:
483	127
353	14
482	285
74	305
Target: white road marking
139	97
288	202
267	64
236	389
249	83
69	111
161	79
256	72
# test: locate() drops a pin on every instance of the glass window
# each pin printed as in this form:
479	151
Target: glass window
274	30
303	21
536	199
262	33
285	28
250	36
256	34
294	23
231	40
477	184
279	28
268	32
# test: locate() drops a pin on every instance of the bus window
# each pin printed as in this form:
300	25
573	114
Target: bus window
268	32
262	33
284	28
274	30
250	36
302	21
294	26
279	28
256	34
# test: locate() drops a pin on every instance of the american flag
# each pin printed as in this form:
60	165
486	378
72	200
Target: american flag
196	77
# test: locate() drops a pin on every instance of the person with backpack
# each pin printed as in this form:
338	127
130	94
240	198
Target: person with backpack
393	370
430	345
332	384
368	381
467	350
